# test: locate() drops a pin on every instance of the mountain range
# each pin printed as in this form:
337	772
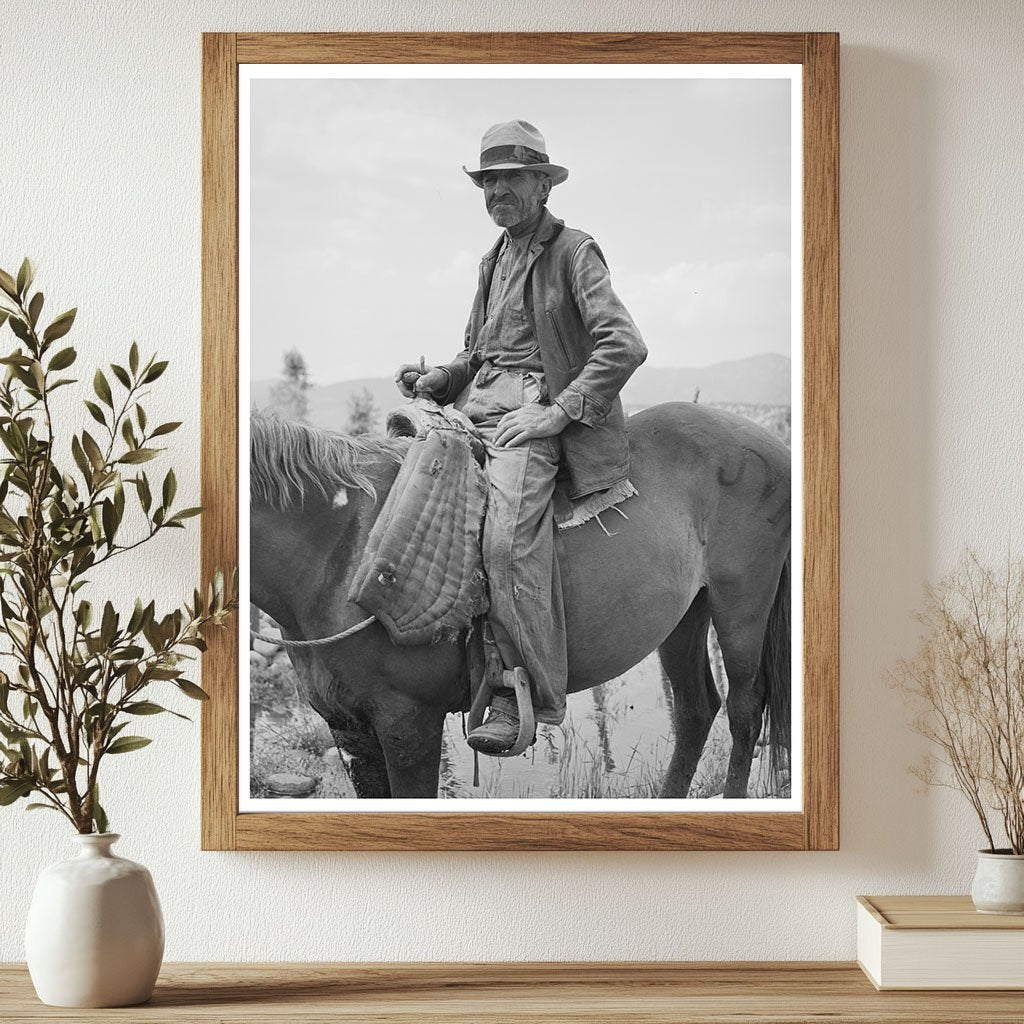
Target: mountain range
756	380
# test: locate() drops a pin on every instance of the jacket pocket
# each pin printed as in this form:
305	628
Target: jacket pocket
567	358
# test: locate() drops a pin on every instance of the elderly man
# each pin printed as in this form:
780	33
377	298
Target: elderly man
548	347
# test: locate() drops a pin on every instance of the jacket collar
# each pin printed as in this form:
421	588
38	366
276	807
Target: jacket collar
548	227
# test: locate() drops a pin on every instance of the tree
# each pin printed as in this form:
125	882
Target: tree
289	394
362	413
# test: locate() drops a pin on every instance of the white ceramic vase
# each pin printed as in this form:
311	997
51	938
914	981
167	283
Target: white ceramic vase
95	933
999	883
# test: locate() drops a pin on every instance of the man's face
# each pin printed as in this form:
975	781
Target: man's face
514	196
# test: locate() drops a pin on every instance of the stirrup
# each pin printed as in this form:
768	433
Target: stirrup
514	679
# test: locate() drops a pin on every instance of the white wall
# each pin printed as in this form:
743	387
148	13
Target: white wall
99	182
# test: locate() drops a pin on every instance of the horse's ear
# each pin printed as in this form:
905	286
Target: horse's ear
400	423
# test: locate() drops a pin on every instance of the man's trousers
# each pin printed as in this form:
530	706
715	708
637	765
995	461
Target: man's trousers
526	614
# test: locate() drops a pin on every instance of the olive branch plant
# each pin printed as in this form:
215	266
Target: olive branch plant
80	673
966	682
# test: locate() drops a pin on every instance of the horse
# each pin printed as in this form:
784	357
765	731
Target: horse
705	540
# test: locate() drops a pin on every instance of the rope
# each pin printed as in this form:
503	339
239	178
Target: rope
322	641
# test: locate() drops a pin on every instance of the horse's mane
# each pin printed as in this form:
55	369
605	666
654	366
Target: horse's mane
289	459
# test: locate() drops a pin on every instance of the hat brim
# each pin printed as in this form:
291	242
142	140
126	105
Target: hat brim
553	171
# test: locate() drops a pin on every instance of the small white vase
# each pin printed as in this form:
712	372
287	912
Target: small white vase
999	883
95	933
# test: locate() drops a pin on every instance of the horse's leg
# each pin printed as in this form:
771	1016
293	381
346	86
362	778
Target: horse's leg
410	734
695	700
740	620
363	757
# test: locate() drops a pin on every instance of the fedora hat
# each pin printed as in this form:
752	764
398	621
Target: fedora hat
512	145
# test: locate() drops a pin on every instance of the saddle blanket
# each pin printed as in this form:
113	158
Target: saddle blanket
422	572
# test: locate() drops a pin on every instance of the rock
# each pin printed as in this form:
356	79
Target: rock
287	784
256	660
332	757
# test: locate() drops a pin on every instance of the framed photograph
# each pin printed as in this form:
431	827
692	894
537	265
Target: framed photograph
520	419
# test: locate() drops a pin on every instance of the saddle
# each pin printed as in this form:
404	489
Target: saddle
422	573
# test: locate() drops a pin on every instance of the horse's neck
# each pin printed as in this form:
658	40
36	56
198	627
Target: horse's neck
303	559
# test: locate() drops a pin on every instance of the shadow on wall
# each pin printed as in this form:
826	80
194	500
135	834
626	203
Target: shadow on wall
888	270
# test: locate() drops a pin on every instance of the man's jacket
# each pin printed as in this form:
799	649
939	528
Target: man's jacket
588	344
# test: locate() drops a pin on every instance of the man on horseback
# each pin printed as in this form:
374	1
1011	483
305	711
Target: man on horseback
548	347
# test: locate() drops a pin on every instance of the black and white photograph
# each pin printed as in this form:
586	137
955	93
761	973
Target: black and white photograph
519	481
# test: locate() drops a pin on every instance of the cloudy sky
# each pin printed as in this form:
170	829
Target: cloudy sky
366	235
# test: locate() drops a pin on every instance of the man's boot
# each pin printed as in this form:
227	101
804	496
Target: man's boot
501	729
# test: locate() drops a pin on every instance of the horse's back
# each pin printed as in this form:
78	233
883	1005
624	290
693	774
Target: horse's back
696	496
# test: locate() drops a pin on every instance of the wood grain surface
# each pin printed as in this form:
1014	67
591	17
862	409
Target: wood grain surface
817	826
219	429
943	913
821	441
521	48
613	993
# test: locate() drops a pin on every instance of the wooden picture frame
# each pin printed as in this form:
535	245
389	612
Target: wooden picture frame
816	826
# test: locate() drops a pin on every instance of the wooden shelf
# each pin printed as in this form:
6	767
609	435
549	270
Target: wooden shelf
616	993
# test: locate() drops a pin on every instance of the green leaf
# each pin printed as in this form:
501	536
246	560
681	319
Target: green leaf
102	388
12	733
140	415
128	433
79	456
145	498
119	499
109	519
26	274
70	485
8	284
10	442
95	412
121	374
154	371
133	358
108	626
191	690
95	528
170	487
130	653
165	428
135	622
139	455
34	308
125	744
92	449
42	807
185	513
147	707
84	614
63	359
20	329
99	816
4	314
16	359
60	326
14	790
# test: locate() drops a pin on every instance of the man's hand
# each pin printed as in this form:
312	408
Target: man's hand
414	379
522	425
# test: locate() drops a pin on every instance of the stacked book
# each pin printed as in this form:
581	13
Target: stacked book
938	942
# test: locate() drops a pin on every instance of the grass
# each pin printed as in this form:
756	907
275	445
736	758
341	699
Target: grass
570	761
289	737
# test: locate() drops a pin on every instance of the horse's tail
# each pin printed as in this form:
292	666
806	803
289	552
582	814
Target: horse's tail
775	669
